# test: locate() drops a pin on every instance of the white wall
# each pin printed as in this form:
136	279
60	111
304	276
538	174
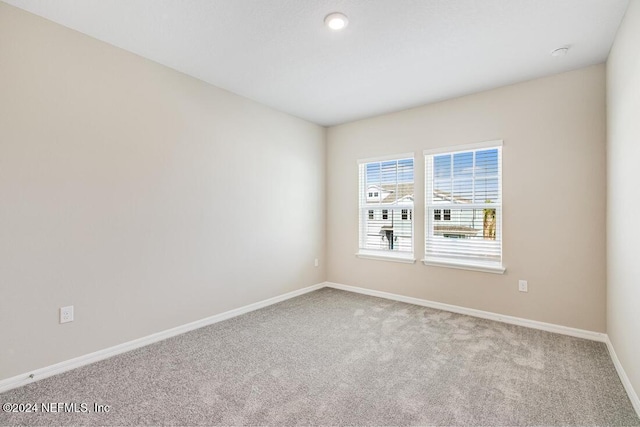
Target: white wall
129	190
553	198
623	194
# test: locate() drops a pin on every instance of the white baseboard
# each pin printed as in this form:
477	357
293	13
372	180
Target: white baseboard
67	365
633	396
534	324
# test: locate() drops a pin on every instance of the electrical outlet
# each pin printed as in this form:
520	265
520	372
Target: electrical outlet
66	314
315	263
523	286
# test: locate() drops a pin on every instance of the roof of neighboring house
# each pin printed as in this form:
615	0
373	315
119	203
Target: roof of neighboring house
454	229
404	190
444	195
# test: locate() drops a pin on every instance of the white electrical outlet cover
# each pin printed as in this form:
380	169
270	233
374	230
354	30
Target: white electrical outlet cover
523	286
66	314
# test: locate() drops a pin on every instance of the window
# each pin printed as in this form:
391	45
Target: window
370	194
464	187
437	214
386	219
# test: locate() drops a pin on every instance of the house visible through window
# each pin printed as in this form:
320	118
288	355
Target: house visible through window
386	207
464	188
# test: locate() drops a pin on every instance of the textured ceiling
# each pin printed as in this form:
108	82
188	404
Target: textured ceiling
394	54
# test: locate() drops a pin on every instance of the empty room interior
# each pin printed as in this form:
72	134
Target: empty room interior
331	212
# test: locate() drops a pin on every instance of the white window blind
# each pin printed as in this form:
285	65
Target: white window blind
463	213
386	206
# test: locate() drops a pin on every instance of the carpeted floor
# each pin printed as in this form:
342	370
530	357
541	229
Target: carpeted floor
336	358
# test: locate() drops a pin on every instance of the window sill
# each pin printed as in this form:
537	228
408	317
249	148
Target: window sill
404	258
462	265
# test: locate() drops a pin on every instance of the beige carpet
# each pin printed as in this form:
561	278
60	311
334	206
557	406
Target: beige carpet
337	358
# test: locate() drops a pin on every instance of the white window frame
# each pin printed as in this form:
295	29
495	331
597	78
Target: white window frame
457	262
363	213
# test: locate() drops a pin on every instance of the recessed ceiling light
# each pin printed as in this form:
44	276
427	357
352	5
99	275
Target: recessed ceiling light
561	51
336	21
